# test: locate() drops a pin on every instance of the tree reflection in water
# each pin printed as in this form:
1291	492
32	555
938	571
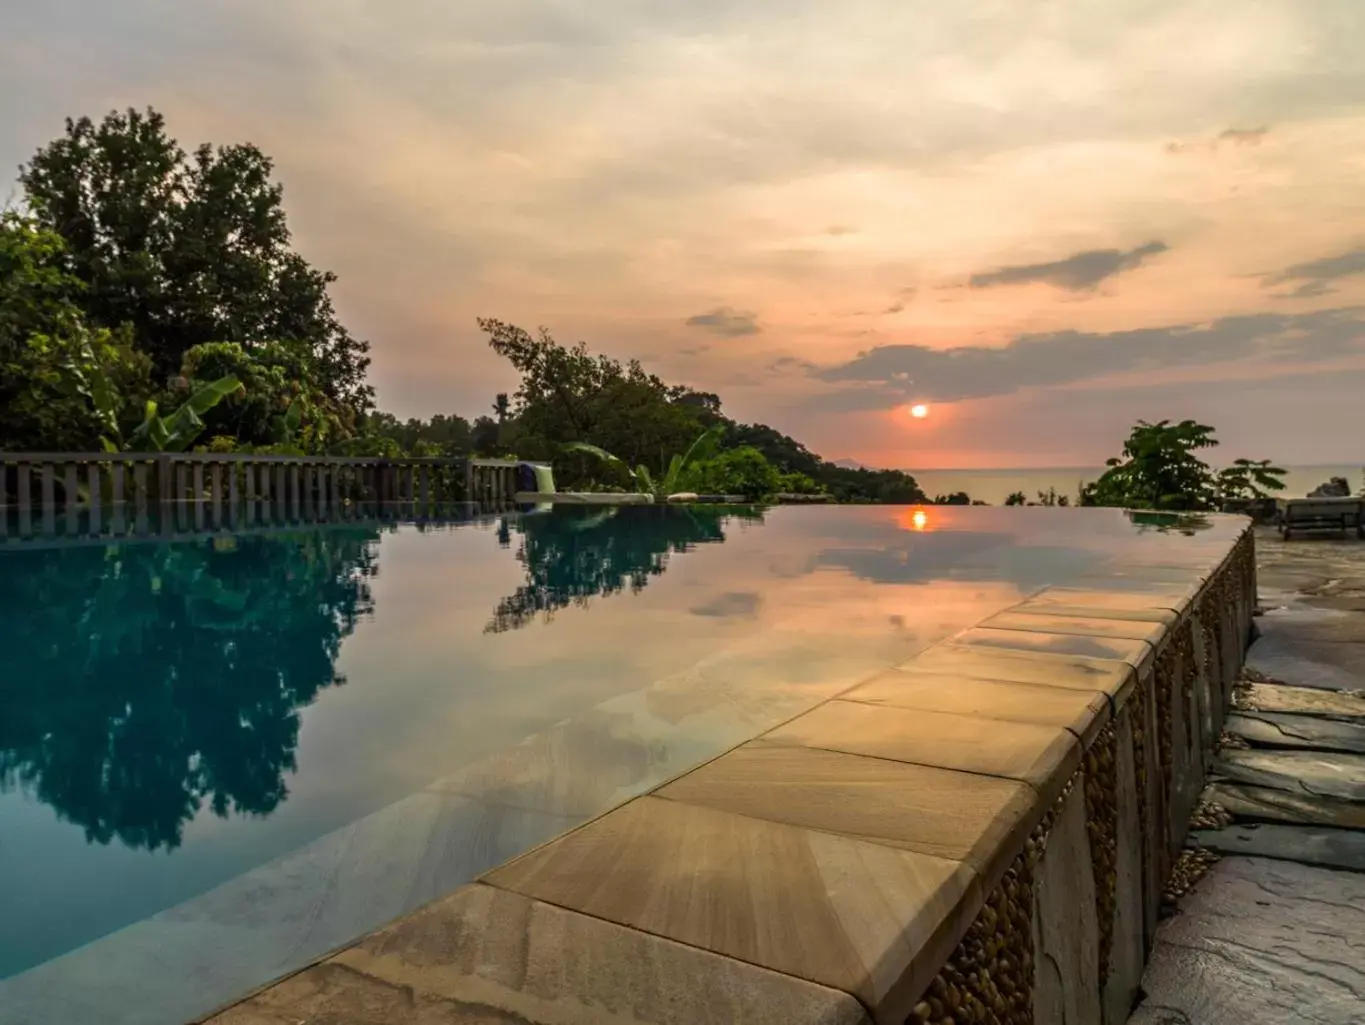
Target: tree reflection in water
573	553
139	683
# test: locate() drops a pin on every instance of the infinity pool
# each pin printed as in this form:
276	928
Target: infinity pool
220	758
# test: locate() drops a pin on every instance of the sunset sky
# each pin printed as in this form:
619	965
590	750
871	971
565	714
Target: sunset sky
1043	219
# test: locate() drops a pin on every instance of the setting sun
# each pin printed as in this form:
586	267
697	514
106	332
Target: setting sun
919	412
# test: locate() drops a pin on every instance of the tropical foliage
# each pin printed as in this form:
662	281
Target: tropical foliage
610	419
138	280
1252	479
1160	469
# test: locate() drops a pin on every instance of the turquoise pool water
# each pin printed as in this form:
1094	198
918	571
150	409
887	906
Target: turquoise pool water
221	757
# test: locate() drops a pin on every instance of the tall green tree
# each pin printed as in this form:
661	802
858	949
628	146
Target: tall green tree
1159	469
43	335
567	394
187	249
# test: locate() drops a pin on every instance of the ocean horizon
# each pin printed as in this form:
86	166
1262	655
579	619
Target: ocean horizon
994	486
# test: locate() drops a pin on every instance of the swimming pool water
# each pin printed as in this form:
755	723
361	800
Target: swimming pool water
221	757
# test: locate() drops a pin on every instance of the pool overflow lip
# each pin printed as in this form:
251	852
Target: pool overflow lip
871	860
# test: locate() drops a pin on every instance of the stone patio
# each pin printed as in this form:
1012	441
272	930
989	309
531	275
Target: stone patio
1276	932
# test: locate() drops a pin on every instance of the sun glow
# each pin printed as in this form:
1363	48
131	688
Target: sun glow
919	411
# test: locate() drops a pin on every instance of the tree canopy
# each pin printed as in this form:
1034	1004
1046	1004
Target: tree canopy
187	249
567	394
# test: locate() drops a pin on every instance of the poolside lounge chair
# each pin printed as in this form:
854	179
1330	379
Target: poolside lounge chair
536	483
1306	515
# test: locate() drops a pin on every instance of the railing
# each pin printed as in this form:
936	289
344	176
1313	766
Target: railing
134	493
491	480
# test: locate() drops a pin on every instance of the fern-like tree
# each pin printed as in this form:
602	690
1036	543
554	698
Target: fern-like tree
1251	479
1159	469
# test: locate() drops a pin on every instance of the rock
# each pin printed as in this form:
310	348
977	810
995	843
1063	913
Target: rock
682	496
1259	942
1320	648
1317	773
1307	845
1248	802
1336	487
1278	729
1268	697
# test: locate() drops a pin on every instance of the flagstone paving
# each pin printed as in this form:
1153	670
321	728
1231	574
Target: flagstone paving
1275	932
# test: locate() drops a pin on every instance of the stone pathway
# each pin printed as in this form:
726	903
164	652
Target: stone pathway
1275	933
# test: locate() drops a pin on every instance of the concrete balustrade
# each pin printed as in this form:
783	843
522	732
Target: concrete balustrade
115	494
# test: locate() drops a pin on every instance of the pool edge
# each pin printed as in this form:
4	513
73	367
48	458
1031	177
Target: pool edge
1115	813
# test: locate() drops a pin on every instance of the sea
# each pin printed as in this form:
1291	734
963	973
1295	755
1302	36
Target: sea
994	486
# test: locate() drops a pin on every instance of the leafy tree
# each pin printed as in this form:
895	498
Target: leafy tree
1015	498
187	249
485	437
568	395
1159	470
798	484
1250	479
158	432
740	471
445	434
956	498
1052	497
281	407
680	474
42	332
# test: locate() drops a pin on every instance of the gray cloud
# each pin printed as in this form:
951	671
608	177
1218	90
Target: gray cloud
889	374
1243	136
1315	277
726	322
1231	136
1080	272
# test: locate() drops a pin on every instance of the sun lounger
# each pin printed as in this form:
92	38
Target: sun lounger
1307	515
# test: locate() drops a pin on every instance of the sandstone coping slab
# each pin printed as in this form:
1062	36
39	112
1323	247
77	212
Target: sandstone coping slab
871	920
1111	677
1137	653
1087	626
1104	604
961	816
487	955
1042	756
1083	712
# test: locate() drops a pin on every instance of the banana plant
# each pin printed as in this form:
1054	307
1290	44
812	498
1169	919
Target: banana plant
703	448
173	432
177	431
